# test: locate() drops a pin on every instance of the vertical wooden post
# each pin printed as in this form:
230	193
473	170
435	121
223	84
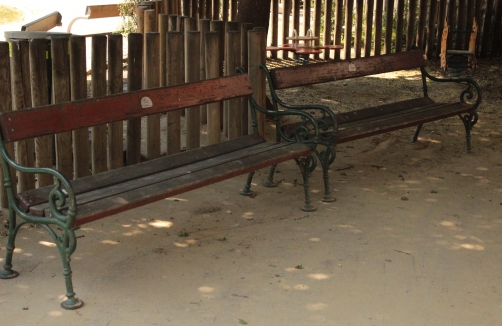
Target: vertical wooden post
421	23
399	25
306	16
219	27
286	10
163	28
348	29
193	11
369	28
485	37
338	25
389	20
209	9
202	9
115	86
245	28
39	97
296	15
204	27
78	87
412	11
461	24
378	26
274	26
257	46
328	12
233	10
226	8
152	80
140	18
212	49
429	48
232	61
190	24
192	73
172	23
359	28
134	83
186	8
317	21
5	106
174	76
61	93
98	89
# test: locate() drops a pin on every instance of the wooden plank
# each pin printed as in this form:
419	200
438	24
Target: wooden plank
191	181
123	175
44	23
6	105
389	22
78	91
40	96
134	83
115	86
338	25
102	11
21	99
378	27
434	113
399	25
98	89
61	93
347	42
369	28
192	74
174	76
109	190
331	71
359	28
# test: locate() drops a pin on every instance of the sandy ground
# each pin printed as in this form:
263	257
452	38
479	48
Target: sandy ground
413	239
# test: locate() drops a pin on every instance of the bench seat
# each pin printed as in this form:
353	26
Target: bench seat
119	190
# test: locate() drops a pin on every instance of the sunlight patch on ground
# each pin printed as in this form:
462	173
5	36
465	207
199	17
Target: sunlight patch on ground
317	306
315	239
176	199
181	245
205	289
47	244
301	287
55	313
319	276
110	242
469	246
18	250
161	224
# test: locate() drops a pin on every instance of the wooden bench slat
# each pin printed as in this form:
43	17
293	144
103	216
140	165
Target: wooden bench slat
331	71
113	187
22	124
39	196
398	121
185	182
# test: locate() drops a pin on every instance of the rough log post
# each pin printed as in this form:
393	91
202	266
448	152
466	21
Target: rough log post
172	23
233	10
163	28
61	93
216	9
192	74
232	61
296	15
317	22
152	80
257	47
286	10
429	48
78	87
245	28
226	8
306	16
140	18
5	106
39	97
174	76
229	26
328	12
359	28
213	71
399	25
421	23
275	27
412	11
115	86
134	83
389	21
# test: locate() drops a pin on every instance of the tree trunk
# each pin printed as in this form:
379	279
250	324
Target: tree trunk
256	12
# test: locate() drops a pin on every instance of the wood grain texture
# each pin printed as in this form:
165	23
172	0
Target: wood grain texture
134	83
152	80
174	76
115	86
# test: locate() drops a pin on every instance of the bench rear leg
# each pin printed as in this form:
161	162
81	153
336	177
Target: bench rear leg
7	272
469	121
417	132
270	178
326	158
305	166
247	187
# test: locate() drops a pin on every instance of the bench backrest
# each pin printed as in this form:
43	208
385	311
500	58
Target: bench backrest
336	70
56	118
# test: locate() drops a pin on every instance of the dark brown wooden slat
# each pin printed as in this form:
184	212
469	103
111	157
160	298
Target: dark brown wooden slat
398	122
68	116
382	109
336	70
40	196
168	173
187	182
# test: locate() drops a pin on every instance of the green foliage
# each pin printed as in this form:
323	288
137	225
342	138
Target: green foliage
10	15
129	21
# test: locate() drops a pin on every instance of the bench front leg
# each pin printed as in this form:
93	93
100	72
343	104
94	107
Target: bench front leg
305	164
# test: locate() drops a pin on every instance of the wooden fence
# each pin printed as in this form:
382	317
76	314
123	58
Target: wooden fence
171	50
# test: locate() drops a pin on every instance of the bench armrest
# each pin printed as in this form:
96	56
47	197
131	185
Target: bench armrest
326	119
59	196
471	95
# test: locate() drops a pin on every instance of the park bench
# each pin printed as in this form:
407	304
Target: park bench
68	204
374	120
